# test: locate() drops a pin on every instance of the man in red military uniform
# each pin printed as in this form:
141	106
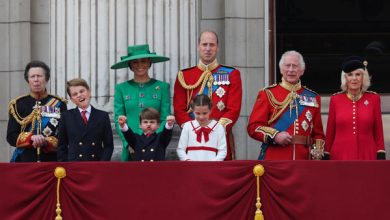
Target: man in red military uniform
221	83
287	117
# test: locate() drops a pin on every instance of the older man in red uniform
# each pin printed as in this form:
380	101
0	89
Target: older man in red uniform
221	83
287	117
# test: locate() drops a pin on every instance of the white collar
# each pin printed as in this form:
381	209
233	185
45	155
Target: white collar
88	109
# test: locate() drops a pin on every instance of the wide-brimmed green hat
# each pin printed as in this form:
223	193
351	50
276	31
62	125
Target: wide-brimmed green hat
138	52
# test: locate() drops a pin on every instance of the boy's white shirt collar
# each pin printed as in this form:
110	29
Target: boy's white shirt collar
88	113
88	109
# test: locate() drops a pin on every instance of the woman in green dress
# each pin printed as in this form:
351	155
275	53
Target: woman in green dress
132	96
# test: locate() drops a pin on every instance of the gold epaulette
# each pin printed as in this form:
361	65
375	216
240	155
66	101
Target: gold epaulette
270	86
12	109
311	90
338	93
187	68
13	101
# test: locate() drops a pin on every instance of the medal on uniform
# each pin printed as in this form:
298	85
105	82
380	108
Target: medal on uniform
227	79
215	76
220	105
308	101
220	92
54	122
47	132
304	125
50	112
309	116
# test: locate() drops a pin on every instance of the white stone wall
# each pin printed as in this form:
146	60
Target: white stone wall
24	35
240	26
83	38
88	36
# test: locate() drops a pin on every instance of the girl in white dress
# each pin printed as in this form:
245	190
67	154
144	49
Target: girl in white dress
202	139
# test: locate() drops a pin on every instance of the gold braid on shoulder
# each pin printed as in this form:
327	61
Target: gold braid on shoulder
29	119
279	106
189	87
202	80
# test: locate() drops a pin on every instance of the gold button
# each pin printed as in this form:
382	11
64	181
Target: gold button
80	155
152	149
142	161
143	150
354	132
151	160
354	122
81	144
93	155
93	143
296	132
353	117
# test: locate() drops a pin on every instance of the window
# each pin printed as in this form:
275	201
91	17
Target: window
326	32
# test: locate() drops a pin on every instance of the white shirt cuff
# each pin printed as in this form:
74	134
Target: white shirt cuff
168	127
125	128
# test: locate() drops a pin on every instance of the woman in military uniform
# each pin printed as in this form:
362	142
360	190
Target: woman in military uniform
34	118
132	96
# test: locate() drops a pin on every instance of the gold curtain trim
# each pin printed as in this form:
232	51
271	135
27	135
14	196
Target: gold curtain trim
258	171
60	173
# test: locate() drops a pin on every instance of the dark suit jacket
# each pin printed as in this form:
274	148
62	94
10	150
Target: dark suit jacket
150	148
80	142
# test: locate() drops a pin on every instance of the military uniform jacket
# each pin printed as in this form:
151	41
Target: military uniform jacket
354	129
23	123
223	87
150	148
131	98
271	104
80	142
222	84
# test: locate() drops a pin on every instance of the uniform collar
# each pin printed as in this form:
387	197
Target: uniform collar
354	98
209	67
291	87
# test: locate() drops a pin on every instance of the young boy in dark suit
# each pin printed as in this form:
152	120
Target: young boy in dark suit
85	132
150	146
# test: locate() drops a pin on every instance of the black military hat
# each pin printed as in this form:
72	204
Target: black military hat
352	63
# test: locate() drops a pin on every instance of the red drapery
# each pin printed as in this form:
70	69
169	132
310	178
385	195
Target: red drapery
197	190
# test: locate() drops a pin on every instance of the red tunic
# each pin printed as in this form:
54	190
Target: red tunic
308	125
354	130
226	108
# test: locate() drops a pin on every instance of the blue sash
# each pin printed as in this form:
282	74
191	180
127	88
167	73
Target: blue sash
285	120
222	70
45	120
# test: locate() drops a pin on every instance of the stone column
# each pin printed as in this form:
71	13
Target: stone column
24	36
241	27
88	36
